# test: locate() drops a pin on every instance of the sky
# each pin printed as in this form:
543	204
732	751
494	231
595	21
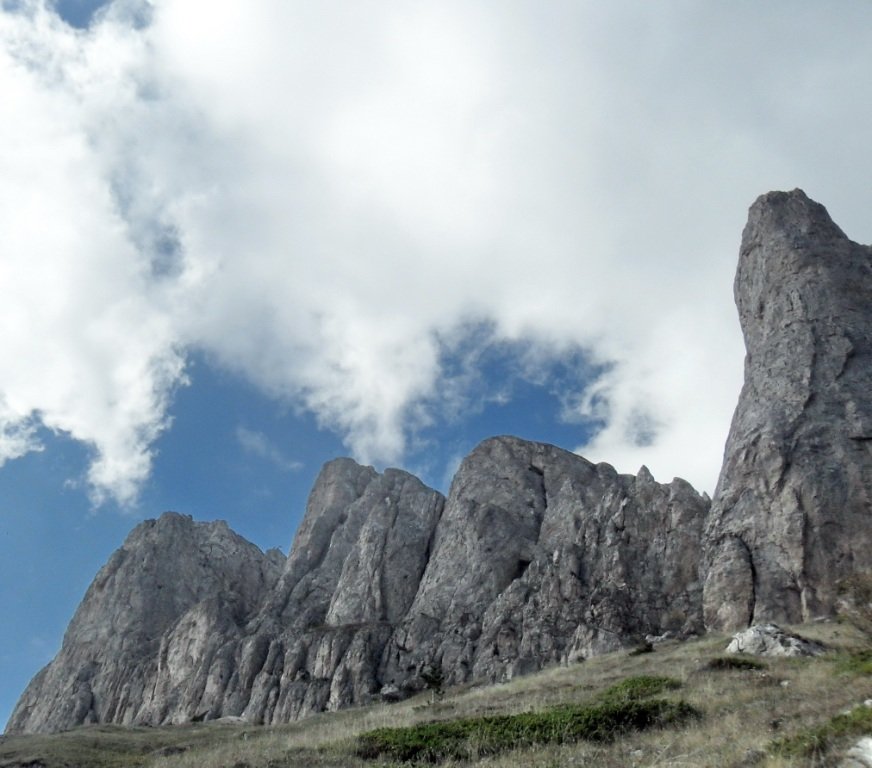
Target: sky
240	239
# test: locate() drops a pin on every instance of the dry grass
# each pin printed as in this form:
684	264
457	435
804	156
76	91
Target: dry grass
745	713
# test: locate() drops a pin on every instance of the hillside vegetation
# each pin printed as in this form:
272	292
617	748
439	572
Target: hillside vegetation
681	704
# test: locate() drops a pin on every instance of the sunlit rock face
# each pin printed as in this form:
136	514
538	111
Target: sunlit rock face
154	624
791	513
536	556
542	557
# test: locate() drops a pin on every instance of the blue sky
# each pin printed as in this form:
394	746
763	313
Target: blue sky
231	454
237	244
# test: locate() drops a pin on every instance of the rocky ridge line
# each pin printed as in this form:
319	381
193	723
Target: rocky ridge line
536	556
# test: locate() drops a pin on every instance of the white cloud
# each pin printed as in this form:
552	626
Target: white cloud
86	345
322	194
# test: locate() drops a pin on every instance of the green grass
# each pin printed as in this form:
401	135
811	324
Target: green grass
639	687
595	713
817	741
620	709
475	737
106	746
856	663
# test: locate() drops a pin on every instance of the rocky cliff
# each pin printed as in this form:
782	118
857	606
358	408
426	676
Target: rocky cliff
791	512
155	622
535	557
542	557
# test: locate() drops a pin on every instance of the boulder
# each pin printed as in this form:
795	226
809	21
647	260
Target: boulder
772	640
860	755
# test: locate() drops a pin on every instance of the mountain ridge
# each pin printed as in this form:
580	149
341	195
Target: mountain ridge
536	556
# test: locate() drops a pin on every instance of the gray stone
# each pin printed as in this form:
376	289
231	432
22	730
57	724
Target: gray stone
791	512
127	635
542	557
539	557
860	755
772	640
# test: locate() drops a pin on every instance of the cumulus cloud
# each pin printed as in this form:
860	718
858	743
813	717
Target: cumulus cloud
87	346
327	196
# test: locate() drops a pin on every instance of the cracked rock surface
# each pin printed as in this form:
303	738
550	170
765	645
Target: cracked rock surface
543	557
156	619
791	513
537	556
772	640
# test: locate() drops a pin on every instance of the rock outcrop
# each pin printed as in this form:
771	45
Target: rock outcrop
536	557
791	512
772	640
543	557
130	651
860	755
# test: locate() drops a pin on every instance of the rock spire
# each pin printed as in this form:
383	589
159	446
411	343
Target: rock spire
791	513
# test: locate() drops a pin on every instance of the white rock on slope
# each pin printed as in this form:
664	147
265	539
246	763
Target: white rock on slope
772	640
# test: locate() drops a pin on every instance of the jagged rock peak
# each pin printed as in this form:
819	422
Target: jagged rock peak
543	557
537	556
791	512
357	521
166	570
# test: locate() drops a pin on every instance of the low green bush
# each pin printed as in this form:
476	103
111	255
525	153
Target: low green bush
639	687
642	648
729	663
857	663
620	709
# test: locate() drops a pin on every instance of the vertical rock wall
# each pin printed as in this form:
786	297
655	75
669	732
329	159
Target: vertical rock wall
791	513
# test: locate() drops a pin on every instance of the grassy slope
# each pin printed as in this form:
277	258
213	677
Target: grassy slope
745	712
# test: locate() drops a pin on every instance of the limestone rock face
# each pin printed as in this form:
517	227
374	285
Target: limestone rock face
543	557
537	556
791	513
352	573
169	573
188	621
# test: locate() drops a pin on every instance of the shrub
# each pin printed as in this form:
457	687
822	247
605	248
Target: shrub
434	680
622	708
641	648
857	663
855	601
729	663
636	688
